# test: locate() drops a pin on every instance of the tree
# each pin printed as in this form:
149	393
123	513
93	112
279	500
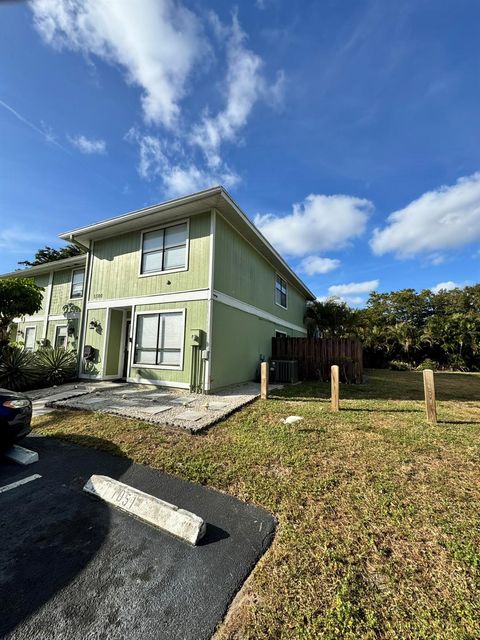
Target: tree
330	318
18	297
47	254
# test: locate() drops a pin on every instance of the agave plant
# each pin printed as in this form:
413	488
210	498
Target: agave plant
56	365
18	369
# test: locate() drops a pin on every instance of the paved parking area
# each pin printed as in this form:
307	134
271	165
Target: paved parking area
72	567
170	407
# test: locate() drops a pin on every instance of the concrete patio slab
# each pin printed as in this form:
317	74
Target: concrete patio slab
139	398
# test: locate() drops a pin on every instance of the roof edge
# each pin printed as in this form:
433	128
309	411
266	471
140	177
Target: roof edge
46	267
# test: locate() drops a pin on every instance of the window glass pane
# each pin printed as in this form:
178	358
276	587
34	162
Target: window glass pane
147	327
30	339
176	235
174	258
78	277
171	358
145	357
61	337
153	241
152	262
77	283
171	327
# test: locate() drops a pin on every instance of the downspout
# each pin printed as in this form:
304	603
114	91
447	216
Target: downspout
211	284
83	317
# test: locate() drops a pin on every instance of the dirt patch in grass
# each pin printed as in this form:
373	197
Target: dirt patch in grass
379	517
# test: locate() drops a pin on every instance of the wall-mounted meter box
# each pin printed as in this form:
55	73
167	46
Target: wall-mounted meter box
195	337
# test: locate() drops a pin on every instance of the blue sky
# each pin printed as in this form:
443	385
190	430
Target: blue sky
348	131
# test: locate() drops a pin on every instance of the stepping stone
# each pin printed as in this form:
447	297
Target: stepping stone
153	410
183	401
217	406
91	401
158	396
190	415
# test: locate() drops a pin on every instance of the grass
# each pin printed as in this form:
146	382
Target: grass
379	517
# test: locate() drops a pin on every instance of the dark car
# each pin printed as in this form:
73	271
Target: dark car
15	417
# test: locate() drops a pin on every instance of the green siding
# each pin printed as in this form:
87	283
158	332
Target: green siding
72	341
95	338
239	339
62	282
241	272
195	318
115	346
20	326
116	263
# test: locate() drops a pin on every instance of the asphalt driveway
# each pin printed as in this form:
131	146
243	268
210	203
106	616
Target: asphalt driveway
73	567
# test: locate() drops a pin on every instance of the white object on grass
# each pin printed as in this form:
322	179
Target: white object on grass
292	419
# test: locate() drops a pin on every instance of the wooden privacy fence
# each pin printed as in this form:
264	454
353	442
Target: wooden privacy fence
315	357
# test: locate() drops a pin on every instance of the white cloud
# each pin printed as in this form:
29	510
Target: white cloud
353	288
244	86
446	286
156	42
315	264
88	145
319	223
179	176
446	218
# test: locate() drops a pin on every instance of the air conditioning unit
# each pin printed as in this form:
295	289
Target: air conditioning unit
284	371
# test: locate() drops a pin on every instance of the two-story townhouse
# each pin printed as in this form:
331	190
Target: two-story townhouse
187	293
57	324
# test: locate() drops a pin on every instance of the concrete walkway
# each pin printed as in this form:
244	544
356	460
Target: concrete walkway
40	397
169	407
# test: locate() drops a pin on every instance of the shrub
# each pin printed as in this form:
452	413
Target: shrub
427	364
18	368
399	365
56	365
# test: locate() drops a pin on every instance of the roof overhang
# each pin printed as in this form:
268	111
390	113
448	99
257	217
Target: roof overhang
47	267
214	198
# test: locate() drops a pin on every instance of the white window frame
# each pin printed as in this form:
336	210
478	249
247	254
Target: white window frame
161	228
34	327
57	327
172	367
280	334
72	297
277	275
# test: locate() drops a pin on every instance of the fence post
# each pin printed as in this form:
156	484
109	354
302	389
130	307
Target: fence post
334	376
429	389
264	380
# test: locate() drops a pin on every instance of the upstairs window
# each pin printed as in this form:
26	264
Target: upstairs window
280	291
159	339
164	249
78	277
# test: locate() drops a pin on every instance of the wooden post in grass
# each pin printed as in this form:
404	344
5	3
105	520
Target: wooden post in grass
264	381
334	376
429	388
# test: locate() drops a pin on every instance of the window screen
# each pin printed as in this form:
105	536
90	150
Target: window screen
164	249
61	337
30	338
78	277
159	339
280	291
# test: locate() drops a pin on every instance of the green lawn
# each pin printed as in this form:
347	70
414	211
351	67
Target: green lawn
379	512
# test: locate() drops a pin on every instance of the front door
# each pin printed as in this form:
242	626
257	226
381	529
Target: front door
126	349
